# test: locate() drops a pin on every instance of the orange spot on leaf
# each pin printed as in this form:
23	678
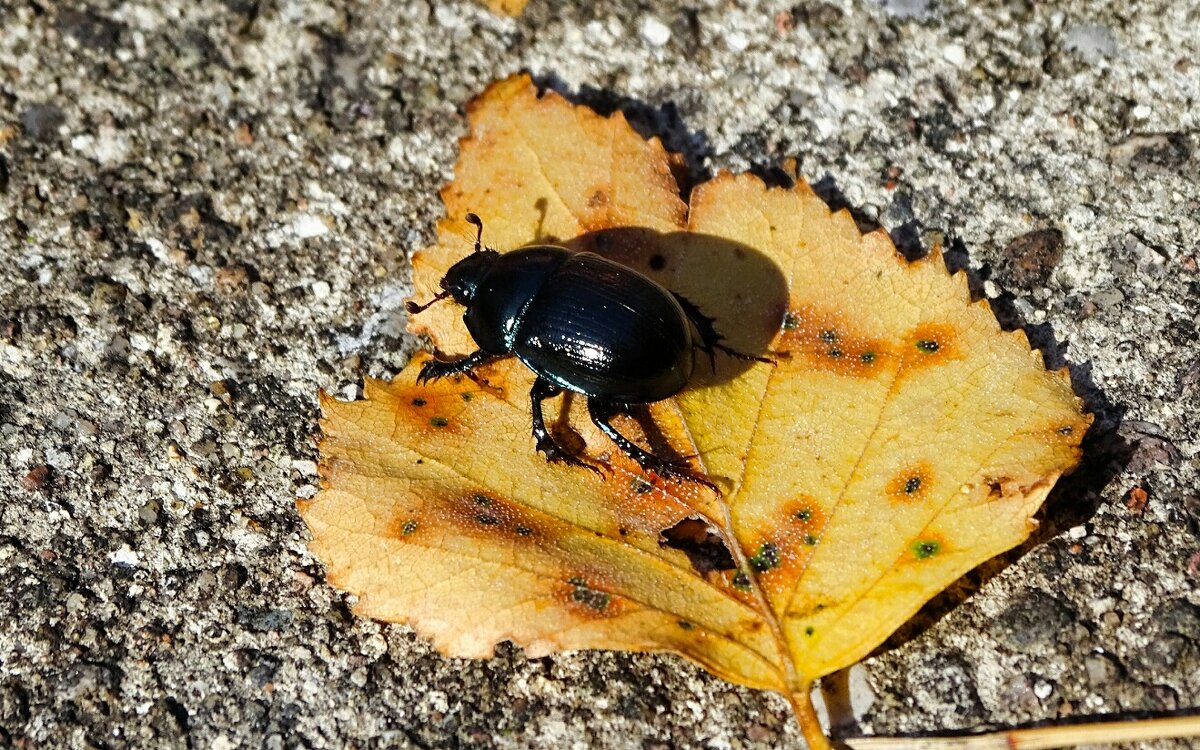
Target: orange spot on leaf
825	340
929	345
911	484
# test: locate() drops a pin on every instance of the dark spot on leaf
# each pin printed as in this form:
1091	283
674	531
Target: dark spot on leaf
640	485
804	514
766	558
705	549
1066	430
911	484
523	530
409	527
741	580
867	357
487	519
810	540
828	336
483	500
924	549
810	630
467	396
791	321
439	421
929	346
686	625
418	401
835	352
587	596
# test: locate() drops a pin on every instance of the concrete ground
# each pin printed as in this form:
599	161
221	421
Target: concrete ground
205	215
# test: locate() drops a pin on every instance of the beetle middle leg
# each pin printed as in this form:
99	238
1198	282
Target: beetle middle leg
602	412
710	340
437	368
546	444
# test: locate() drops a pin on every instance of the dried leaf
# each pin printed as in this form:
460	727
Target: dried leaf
900	440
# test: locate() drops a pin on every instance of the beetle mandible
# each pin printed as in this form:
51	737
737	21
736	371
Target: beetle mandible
582	323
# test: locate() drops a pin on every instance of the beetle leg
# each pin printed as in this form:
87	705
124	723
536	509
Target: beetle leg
602	413
710	340
436	368
542	390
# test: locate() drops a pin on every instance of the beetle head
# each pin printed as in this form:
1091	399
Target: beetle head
463	278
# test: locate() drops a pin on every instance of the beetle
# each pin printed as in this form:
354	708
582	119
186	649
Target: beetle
581	323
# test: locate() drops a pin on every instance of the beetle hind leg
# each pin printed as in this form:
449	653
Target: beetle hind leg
439	368
602	413
546	444
710	340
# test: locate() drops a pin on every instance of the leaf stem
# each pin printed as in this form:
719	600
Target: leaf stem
806	716
1039	738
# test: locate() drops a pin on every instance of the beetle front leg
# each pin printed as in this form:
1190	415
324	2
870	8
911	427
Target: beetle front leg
436	368
546	444
602	413
710	340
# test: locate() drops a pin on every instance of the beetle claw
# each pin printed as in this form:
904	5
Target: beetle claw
555	454
679	470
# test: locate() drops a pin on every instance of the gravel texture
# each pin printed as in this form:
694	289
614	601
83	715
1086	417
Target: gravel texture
205	215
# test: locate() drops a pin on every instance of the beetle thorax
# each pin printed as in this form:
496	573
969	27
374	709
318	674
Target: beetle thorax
462	280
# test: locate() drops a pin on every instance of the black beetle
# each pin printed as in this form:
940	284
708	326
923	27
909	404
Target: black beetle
582	323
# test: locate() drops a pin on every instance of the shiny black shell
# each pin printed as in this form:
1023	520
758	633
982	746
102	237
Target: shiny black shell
584	323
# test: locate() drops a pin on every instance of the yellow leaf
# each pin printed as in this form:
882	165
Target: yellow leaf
899	439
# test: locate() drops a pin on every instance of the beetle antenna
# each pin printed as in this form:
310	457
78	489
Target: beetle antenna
478	222
413	308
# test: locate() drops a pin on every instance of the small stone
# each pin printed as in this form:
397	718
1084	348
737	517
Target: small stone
1136	499
41	122
655	32
124	556
1101	669
221	391
1018	692
908	8
307	226
203	448
1108	298
231	277
148	513
320	289
1032	257
1093	42
954	54
308	468
38	479
1043	690
1032	619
